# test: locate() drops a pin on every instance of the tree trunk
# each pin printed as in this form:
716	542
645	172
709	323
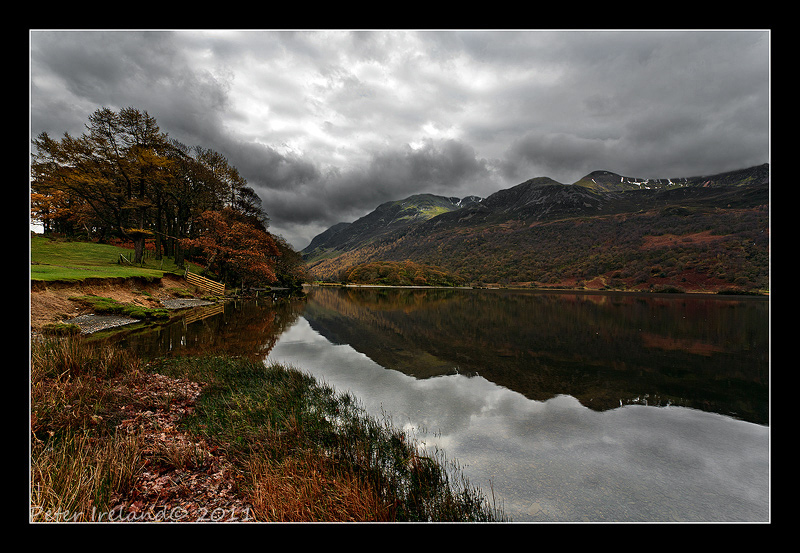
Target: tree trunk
159	232
178	255
138	242
138	249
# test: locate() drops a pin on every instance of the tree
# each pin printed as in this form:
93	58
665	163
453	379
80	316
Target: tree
191	190
290	269
234	249
60	184
232	188
57	210
114	169
125	177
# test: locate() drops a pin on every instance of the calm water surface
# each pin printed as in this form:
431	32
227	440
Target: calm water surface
566	406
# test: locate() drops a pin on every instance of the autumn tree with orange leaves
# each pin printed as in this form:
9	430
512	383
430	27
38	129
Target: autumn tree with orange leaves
234	249
108	174
124	178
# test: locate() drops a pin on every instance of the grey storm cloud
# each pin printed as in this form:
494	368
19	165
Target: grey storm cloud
325	124
446	168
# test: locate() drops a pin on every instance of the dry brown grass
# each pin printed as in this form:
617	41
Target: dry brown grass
74	480
311	488
112	440
105	443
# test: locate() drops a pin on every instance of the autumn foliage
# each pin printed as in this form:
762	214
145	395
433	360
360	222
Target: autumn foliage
235	249
125	180
405	273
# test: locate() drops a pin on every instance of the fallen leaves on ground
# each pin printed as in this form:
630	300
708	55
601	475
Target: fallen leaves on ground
183	479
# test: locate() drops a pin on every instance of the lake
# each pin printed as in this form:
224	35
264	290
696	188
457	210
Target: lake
562	406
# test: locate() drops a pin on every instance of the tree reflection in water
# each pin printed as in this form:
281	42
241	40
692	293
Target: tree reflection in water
245	328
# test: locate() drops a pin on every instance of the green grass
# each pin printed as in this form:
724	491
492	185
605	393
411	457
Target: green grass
270	415
108	306
303	452
66	260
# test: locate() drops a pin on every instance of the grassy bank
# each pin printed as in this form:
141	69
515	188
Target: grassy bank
288	447
66	260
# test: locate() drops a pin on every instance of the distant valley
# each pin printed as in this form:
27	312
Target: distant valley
605	231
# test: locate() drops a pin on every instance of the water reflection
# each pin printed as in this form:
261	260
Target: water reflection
545	398
603	349
556	460
247	328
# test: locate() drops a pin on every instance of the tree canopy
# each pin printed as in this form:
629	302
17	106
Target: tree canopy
126	178
234	248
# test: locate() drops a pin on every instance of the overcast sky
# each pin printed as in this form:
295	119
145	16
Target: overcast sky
326	125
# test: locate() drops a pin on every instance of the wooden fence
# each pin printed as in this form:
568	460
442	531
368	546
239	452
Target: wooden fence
199	313
205	283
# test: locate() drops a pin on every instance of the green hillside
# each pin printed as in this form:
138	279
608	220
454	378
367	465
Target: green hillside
387	218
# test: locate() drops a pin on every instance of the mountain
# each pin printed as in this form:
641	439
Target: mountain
612	182
539	198
387	218
605	230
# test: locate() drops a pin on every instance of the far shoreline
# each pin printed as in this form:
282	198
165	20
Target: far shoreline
738	295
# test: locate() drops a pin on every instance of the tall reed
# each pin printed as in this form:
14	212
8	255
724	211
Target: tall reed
78	461
70	384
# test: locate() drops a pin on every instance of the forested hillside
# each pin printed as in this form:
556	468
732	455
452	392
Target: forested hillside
605	231
394	273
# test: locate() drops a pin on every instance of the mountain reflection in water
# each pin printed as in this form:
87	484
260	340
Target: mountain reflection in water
547	399
604	350
567	406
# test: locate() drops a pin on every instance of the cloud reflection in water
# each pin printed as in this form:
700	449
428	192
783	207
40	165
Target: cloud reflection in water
558	460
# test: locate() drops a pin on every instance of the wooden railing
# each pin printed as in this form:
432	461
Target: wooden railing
205	283
199	313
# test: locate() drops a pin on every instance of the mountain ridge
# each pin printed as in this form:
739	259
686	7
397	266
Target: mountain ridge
384	219
407	229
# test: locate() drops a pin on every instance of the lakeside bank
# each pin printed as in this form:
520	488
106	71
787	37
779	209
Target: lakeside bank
217	438
220	438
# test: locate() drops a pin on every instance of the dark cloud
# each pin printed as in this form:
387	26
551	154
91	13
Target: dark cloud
326	125
75	73
447	168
